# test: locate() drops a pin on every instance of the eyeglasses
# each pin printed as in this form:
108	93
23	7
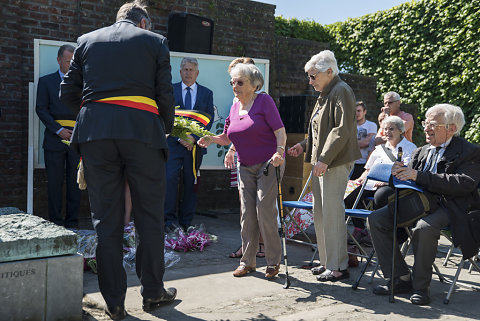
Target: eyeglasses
238	83
312	77
389	102
432	125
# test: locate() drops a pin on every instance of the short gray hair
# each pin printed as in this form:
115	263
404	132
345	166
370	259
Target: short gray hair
134	11
452	115
250	71
189	60
392	94
395	120
323	61
64	48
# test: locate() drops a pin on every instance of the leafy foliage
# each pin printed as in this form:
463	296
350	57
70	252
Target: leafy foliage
428	51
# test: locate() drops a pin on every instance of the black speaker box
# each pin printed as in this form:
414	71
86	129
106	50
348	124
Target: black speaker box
190	33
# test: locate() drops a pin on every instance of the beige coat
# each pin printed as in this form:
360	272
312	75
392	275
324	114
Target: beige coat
336	127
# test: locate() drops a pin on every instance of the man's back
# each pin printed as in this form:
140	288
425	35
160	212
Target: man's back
130	66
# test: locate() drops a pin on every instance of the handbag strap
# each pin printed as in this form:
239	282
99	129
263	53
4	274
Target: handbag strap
389	153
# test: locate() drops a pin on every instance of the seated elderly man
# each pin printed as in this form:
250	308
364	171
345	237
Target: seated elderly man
448	170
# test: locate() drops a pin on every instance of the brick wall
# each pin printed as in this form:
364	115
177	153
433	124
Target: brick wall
288	75
241	28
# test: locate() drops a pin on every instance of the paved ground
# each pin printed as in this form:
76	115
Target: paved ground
208	291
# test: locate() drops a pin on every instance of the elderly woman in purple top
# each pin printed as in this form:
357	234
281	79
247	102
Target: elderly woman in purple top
257	133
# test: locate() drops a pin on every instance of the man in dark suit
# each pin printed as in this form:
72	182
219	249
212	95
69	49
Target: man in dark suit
448	170
188	95
60	161
121	77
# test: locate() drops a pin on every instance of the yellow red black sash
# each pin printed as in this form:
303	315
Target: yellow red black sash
137	102
197	115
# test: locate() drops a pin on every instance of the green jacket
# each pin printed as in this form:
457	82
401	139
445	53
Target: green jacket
336	126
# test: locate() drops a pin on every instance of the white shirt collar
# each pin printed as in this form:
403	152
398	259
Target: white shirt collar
444	145
61	74
192	87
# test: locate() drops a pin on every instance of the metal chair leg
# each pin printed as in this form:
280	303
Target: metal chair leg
454	281
439	274
355	285
449	253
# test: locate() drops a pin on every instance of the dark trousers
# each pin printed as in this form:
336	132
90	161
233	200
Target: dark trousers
425	236
107	163
61	165
380	199
180	161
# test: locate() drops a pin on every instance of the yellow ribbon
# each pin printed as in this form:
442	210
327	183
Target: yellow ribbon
194	150
66	123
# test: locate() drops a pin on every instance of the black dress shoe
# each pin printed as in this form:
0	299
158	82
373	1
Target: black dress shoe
399	287
168	295
116	313
420	297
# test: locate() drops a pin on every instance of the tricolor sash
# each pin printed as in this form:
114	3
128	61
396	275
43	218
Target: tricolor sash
137	102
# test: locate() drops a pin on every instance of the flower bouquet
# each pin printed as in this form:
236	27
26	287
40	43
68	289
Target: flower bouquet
190	122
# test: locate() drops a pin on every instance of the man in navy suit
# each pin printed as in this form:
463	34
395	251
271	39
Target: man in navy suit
60	160
120	81
188	95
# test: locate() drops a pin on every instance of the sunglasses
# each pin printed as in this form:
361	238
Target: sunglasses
312	77
238	83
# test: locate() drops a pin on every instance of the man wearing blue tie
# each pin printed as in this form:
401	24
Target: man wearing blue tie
188	95
60	161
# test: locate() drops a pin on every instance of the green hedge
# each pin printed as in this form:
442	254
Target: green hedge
428	51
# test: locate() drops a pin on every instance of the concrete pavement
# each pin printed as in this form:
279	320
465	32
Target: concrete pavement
208	291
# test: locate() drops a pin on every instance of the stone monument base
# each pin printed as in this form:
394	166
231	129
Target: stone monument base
42	289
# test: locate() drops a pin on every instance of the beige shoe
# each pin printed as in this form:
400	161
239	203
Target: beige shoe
243	270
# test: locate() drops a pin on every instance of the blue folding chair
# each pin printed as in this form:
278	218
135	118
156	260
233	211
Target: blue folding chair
378	172
306	206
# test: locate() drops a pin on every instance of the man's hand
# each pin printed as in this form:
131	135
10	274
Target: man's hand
65	134
385	110
188	144
296	150
319	169
380	140
403	173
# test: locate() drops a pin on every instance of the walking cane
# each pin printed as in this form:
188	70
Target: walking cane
395	214
282	220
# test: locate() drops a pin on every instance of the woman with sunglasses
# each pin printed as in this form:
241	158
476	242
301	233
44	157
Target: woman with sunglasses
331	148
257	133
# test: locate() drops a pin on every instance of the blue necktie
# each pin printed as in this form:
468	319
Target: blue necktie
188	99
432	162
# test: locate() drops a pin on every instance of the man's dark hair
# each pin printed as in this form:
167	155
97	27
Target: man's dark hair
64	48
361	103
134	11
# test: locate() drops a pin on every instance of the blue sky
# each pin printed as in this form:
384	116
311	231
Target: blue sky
329	11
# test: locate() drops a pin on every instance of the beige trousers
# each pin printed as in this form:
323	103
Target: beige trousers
258	213
329	216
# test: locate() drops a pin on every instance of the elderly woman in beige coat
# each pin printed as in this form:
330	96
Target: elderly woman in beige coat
331	148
